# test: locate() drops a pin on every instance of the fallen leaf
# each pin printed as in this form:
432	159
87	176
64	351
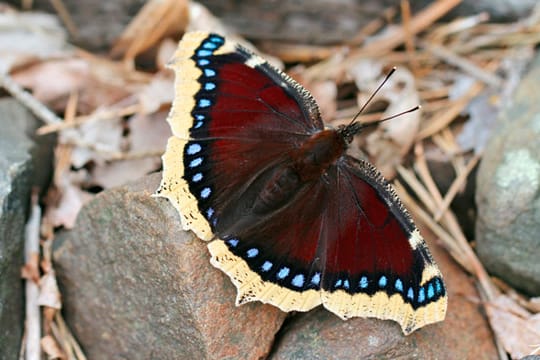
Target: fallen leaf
29	36
51	348
516	328
49	295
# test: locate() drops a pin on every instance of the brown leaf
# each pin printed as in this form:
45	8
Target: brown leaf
49	295
516	328
51	348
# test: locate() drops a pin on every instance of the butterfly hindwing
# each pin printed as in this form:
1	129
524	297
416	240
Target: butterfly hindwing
377	264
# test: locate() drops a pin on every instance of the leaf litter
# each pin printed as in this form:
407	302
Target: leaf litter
113	130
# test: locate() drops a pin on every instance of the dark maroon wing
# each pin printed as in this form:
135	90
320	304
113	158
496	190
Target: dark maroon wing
376	263
234	118
249	119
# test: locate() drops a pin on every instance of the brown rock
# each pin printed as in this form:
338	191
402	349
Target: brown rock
464	334
136	286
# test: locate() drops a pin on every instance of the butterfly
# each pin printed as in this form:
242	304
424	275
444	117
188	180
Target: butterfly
290	217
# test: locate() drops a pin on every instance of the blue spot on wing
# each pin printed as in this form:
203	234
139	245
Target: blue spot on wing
204	53
195	162
251	253
205	193
283	272
203	103
298	280
266	266
399	285
430	291
197	177
363	282
193	149
421	295
233	242
209	86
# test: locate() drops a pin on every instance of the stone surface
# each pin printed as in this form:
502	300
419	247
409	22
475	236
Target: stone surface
16	179
98	23
136	286
464	334
508	191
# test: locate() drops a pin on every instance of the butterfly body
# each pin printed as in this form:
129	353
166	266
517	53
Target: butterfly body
290	217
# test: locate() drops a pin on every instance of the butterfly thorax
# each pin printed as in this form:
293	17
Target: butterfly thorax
319	152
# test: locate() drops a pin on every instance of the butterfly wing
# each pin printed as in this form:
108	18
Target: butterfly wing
233	118
376	263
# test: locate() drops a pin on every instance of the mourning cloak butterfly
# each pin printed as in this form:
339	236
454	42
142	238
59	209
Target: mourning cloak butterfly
291	218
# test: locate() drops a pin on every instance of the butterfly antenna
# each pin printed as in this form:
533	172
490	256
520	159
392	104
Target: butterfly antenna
390	73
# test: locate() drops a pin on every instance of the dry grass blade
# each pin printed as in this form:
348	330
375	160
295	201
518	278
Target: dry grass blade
456	185
467	66
97	116
372	27
25	98
419	23
409	37
450	222
443	118
66	17
154	21
438	230
31	255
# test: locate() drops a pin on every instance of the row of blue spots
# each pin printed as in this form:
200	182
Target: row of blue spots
203	54
298	280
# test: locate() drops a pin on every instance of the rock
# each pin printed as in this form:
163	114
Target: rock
464	334
508	191
16	179
499	10
135	285
98	23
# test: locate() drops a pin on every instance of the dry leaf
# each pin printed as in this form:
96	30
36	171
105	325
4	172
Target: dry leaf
158	93
156	20
49	295
101	139
516	328
51	348
71	200
27	36
148	134
393	138
54	79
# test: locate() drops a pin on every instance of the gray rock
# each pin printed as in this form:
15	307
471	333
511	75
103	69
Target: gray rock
16	179
136	286
508	191
499	10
